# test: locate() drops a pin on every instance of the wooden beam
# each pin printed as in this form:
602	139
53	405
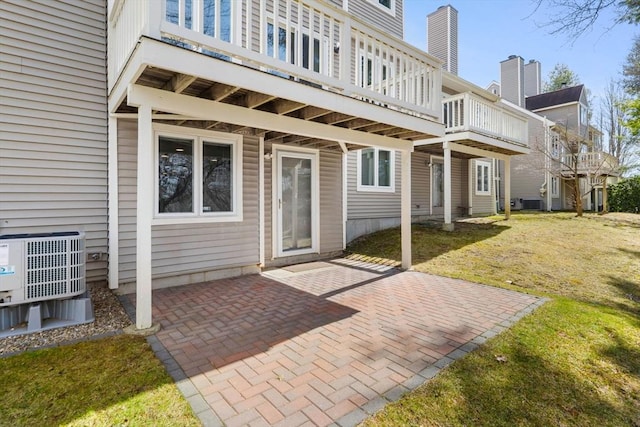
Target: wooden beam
284	106
253	100
334	118
203	109
220	92
310	112
179	82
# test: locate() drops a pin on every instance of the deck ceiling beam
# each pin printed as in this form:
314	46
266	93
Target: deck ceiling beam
211	110
179	82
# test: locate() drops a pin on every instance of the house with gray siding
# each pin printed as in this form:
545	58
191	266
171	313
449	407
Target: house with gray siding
563	145
216	138
230	123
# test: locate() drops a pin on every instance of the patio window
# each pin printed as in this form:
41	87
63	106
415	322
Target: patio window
198	176
376	170
483	182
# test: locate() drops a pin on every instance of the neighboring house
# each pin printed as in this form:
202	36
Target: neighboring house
563	143
452	176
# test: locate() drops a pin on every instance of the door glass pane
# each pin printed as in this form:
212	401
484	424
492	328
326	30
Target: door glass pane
175	175
367	167
437	185
296	203
217	178
478	178
384	168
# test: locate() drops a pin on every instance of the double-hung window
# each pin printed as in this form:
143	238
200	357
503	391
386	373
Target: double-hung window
376	170
198	175
483	178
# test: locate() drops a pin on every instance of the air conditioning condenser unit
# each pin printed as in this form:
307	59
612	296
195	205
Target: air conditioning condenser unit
40	274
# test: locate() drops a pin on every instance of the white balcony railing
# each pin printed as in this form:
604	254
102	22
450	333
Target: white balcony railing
468	112
592	163
304	40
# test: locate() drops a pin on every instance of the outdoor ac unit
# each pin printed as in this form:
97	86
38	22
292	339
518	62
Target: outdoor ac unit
38	267
516	203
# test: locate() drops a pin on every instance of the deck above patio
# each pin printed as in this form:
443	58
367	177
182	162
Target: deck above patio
307	41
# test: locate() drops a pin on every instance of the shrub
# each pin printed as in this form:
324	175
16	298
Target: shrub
625	195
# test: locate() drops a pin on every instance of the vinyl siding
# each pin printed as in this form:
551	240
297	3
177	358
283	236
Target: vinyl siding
420	183
371	204
483	204
528	171
370	13
186	248
53	162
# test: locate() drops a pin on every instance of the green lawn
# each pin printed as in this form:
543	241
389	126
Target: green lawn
575	361
116	381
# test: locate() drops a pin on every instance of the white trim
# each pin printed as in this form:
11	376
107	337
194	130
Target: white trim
405	209
554	194
439	160
447	184
199	138
344	200
470	185
314	155
483	164
376	188
114	252
261	200
453	138
144	215
390	10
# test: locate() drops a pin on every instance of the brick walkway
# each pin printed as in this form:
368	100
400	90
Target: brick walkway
327	343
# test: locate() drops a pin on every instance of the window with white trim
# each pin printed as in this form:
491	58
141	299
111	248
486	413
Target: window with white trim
198	175
376	170
555	187
555	145
388	6
483	178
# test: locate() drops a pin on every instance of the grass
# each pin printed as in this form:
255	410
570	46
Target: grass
575	361
115	381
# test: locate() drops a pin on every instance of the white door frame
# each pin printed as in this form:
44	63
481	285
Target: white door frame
280	151
432	160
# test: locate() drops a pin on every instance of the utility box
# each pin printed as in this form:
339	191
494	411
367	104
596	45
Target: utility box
42	282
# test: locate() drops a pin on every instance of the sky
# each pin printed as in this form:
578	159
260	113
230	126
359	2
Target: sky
491	30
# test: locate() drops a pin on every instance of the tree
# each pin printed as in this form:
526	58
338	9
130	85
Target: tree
561	76
614	119
631	70
575	17
625	195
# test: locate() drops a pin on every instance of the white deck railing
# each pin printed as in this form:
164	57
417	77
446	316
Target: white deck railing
300	39
592	163
468	112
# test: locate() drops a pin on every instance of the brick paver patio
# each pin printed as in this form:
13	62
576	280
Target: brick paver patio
327	343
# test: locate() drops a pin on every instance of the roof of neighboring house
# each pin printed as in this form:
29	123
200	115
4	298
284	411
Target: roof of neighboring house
557	97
